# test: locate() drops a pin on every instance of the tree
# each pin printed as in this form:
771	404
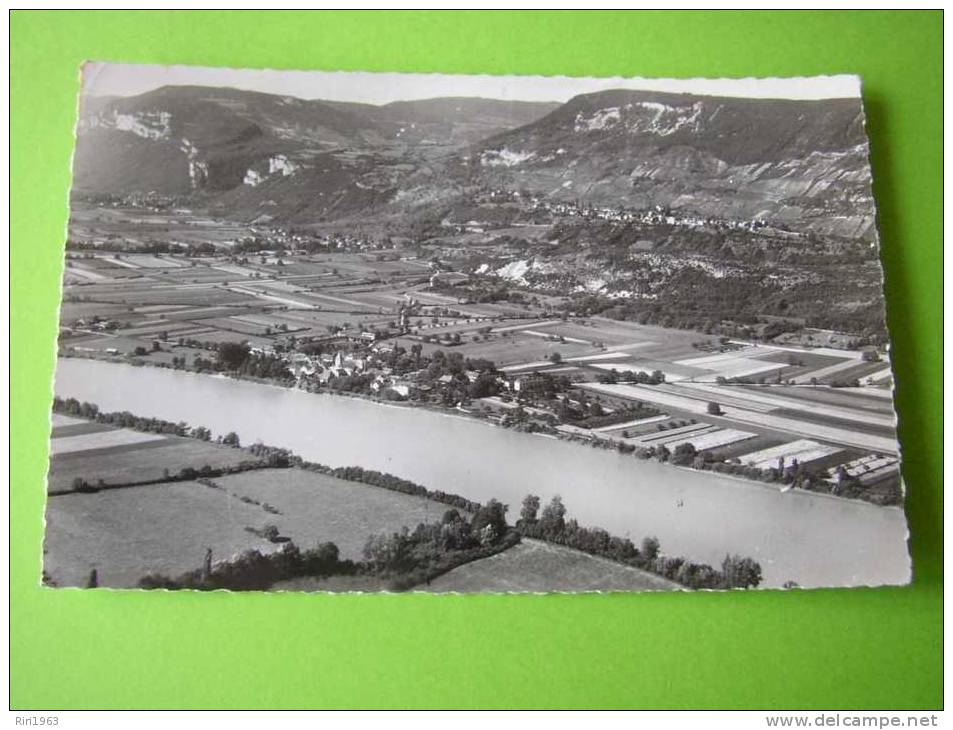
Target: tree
740	572
491	515
714	409
530	508
553	520
80	484
484	385
555	358
231	439
231	355
650	548
321	559
450	516
270	533
684	454
390	552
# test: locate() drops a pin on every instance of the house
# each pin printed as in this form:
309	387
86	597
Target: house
401	387
302	365
383	347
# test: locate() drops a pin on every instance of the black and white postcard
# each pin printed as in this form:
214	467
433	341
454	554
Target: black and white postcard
395	332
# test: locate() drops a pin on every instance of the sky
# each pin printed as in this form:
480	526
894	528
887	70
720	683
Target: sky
108	79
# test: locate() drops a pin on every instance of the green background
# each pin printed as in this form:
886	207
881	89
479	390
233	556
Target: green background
855	649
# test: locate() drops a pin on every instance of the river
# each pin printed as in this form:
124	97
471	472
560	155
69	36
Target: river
811	539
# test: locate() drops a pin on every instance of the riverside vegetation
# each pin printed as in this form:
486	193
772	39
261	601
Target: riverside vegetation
551	393
403	559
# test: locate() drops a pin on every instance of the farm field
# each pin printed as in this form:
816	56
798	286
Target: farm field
190	314
712	439
614	333
104	343
58	420
769	397
126	533
100	440
856	398
804	450
334	301
523	350
154	328
388	300
826	374
758	415
280	302
807	358
135	462
77	429
536	566
195	275
861	426
216	336
486	309
638	424
72	310
316	508
860	372
473	325
675	434
194	296
672	371
321	319
732	367
166	356
89	222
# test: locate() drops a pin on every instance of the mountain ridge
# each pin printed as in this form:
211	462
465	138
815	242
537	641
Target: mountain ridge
798	162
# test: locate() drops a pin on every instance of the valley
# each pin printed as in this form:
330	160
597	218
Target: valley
665	307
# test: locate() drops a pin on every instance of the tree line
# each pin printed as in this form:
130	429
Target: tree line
488	524
399	560
552	526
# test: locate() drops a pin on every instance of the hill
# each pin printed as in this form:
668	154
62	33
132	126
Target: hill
798	162
242	154
179	140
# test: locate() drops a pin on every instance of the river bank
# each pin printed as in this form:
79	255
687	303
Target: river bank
701	515
267	459
767	481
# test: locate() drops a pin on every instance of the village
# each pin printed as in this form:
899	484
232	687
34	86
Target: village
689	355
801	412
